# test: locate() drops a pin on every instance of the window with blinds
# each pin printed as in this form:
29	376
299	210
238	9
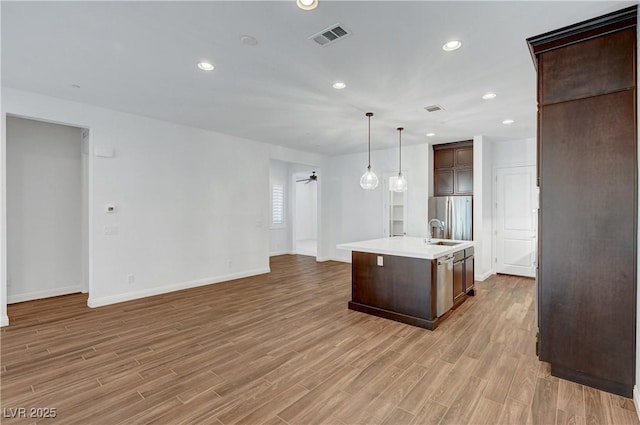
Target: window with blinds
277	204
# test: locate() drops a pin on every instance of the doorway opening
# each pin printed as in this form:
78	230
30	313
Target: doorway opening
305	239
294	192
47	209
394	208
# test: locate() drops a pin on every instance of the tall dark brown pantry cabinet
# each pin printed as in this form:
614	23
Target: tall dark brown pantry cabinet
587	173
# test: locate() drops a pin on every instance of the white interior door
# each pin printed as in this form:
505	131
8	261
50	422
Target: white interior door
516	220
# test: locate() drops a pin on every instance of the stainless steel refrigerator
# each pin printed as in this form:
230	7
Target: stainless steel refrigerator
456	215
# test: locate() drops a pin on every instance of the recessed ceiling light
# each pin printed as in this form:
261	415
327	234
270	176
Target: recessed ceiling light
307	4
205	66
431	134
508	121
489	95
452	45
248	40
339	85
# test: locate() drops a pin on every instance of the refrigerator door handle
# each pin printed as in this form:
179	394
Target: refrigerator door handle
452	220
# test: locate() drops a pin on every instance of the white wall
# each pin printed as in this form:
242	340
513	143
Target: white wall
280	236
482	207
513	153
192	205
356	214
306	206
85	197
44	210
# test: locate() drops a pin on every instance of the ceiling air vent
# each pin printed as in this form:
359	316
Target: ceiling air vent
434	108
330	35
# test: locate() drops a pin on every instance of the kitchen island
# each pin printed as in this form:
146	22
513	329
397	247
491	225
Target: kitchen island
399	278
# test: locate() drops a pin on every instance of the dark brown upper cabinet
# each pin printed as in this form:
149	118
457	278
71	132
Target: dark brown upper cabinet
604	67
453	169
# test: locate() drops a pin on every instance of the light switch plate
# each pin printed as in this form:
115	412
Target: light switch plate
110	230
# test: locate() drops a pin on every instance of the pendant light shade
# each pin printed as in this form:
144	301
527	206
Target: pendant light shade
399	183
307	4
369	180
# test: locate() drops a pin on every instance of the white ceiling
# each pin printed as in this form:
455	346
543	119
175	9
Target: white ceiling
140	57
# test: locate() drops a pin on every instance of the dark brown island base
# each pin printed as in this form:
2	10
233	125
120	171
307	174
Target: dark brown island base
410	280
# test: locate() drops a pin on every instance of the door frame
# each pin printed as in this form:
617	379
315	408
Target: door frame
87	234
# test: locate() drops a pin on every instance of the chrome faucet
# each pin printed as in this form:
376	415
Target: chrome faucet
434	222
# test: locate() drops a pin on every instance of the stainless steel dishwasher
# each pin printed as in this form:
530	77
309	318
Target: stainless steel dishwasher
444	285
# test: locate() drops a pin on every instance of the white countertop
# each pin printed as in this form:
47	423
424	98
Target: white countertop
406	246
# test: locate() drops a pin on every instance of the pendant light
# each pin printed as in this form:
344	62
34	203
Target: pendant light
399	184
369	180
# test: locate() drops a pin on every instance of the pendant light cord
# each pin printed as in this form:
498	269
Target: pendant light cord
400	150
369	143
369	114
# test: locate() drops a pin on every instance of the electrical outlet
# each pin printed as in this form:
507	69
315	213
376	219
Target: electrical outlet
229	263
380	260
131	278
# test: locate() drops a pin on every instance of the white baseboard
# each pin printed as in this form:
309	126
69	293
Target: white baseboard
636	399
4	321
342	259
283	252
305	253
483	276
128	296
30	296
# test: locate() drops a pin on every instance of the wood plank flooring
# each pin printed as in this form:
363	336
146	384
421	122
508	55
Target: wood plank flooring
284	349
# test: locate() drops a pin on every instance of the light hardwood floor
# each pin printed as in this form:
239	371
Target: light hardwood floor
283	348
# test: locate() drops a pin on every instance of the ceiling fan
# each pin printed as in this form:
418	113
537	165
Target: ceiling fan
311	178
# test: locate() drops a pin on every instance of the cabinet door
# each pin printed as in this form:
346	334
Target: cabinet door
468	274
464	157
443	158
458	279
588	243
589	68
443	182
464	181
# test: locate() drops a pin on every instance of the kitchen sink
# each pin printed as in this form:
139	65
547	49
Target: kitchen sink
445	243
